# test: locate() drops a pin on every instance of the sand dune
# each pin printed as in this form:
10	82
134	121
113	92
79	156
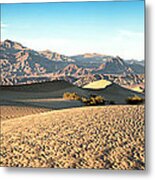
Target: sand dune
38	131
109	137
100	84
56	89
116	93
40	87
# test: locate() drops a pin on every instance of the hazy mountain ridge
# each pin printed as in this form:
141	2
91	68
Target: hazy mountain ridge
18	61
55	56
22	65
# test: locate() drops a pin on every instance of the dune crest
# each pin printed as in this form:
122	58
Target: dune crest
100	84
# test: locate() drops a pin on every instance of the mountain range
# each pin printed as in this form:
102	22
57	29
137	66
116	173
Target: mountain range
22	65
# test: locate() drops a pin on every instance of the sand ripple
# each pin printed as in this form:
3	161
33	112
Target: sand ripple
109	137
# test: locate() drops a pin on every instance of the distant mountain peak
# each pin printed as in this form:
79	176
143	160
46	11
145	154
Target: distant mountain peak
115	60
91	55
55	56
12	45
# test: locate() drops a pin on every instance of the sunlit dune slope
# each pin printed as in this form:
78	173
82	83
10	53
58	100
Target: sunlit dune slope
100	84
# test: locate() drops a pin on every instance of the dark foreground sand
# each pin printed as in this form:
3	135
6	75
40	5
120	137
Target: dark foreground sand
108	137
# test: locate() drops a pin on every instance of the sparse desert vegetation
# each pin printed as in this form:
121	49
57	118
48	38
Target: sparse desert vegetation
135	100
90	101
108	137
93	100
71	96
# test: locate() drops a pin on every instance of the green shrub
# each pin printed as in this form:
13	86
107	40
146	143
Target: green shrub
71	96
134	100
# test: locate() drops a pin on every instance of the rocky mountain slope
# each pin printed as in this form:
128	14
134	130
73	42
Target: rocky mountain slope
22	65
17	61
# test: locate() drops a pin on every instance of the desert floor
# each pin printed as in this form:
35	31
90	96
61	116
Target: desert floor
106	137
10	111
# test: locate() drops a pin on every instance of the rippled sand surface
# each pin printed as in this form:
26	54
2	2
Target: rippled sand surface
10	111
107	137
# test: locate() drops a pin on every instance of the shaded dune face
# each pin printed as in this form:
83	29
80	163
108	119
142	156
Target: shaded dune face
110	137
56	89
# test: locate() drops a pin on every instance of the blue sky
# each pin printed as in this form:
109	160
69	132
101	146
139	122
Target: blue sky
113	28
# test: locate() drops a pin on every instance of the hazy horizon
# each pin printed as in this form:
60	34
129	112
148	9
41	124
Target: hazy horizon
110	28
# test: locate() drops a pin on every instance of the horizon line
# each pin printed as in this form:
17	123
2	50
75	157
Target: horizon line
75	54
